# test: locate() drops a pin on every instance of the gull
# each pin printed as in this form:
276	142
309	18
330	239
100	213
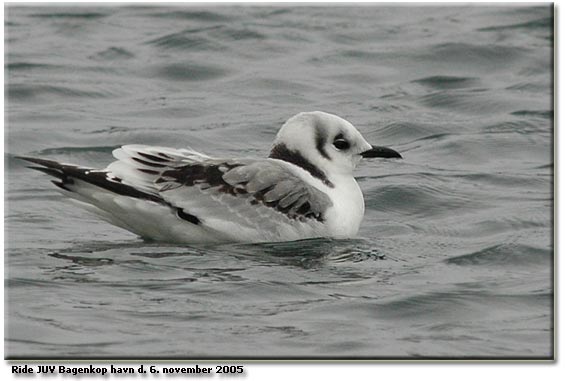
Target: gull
304	189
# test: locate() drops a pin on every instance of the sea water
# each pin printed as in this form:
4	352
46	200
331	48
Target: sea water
454	258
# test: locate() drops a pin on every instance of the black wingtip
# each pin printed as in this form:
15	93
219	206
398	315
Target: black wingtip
50	171
49	167
67	173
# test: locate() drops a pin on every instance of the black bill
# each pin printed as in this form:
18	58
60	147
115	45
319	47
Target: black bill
381	152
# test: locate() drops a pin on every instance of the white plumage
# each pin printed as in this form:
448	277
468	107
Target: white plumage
305	189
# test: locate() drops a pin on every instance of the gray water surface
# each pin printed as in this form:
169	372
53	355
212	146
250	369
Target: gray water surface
455	255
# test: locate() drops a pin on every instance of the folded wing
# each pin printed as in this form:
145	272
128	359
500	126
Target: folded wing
165	192
256	196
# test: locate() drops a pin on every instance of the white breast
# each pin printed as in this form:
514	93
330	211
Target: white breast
344	218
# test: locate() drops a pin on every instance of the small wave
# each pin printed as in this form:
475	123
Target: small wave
357	255
542	23
471	102
351	56
316	247
206	38
395	108
430	304
475	57
546	114
190	15
545	166
110	130
32	92
447	82
539	87
84	261
461	303
273	84
516	126
277	12
434	137
361	54
188	72
309	253
70	15
402	130
240	34
29	66
504	255
487	54
113	53
422	200
503	180
27	282
186	40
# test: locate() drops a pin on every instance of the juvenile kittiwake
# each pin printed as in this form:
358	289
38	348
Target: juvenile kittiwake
304	189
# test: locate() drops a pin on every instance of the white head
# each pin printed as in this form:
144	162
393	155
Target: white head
326	141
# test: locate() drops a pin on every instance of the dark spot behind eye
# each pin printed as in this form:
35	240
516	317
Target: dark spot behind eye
321	139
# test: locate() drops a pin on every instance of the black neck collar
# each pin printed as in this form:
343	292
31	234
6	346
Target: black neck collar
281	152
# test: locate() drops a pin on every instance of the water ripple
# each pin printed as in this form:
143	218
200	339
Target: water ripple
31	93
196	15
189	39
113	53
545	114
484	54
24	66
442	82
545	23
504	255
70	15
423	200
189	72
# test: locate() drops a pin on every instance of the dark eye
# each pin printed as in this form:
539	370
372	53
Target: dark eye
341	144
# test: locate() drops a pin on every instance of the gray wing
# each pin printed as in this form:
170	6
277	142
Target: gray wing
246	193
273	185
